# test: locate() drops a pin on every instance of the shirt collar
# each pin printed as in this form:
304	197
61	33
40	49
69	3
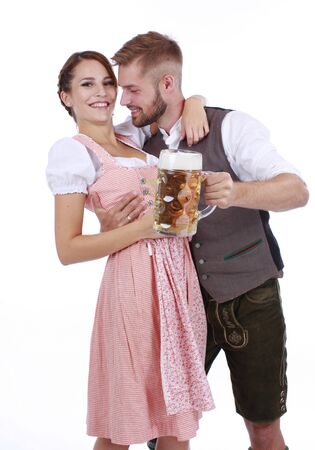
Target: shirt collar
175	128
173	138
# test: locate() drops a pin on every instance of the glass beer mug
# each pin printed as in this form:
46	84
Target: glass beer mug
178	192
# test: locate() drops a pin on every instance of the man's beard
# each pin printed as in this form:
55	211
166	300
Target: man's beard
158	109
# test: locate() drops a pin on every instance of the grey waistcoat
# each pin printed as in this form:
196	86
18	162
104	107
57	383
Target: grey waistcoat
234	249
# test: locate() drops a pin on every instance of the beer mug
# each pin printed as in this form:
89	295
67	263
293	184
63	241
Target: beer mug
178	192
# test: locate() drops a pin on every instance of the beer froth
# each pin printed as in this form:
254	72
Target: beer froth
180	160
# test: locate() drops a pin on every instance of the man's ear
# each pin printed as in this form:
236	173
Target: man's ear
168	83
66	98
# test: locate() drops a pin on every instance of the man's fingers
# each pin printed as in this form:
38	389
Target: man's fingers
131	212
215	178
125	201
96	202
126	210
219	189
135	212
131	206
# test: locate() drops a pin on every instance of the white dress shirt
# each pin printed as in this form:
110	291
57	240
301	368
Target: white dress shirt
72	167
247	147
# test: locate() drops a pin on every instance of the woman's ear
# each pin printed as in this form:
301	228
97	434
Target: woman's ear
65	97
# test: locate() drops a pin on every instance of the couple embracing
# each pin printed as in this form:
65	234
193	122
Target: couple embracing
167	306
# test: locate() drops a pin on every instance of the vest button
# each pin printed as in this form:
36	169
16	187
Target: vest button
197	245
204	276
202	261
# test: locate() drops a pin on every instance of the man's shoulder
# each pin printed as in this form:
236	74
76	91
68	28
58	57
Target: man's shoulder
215	114
217	109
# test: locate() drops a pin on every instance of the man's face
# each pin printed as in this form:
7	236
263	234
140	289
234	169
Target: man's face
141	95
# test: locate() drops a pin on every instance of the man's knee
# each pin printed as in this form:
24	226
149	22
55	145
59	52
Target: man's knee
263	429
265	435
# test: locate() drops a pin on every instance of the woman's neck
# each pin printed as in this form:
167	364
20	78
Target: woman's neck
102	134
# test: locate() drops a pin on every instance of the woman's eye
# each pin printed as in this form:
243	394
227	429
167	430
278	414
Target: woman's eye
87	84
108	83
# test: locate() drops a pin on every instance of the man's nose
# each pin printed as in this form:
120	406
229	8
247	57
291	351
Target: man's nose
124	99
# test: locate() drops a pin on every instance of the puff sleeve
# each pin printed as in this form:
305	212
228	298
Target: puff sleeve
70	168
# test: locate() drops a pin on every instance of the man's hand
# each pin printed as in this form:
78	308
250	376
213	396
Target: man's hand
126	210
220	189
280	193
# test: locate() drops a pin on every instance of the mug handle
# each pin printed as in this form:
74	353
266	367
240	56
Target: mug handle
209	209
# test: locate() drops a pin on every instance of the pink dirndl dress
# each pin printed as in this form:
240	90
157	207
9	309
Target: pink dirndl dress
146	376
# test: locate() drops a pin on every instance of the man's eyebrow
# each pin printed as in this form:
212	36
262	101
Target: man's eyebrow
128	86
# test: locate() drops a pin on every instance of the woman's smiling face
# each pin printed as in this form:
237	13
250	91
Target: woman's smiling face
93	93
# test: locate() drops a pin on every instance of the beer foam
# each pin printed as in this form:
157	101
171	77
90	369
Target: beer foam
179	160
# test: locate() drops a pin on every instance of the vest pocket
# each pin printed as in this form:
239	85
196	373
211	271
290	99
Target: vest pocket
243	250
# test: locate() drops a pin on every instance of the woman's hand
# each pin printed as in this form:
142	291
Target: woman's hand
145	225
194	121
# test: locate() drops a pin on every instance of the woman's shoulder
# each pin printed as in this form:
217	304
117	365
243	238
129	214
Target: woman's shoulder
68	149
66	144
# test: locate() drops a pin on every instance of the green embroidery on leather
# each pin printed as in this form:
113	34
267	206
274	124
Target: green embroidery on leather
243	250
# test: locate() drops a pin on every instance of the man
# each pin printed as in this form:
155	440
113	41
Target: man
236	255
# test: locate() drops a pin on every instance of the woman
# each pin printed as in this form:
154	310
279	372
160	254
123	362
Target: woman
149	296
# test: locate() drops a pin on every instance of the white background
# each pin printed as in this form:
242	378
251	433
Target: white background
251	55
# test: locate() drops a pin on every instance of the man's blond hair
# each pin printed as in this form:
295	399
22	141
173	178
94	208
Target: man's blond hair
154	52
